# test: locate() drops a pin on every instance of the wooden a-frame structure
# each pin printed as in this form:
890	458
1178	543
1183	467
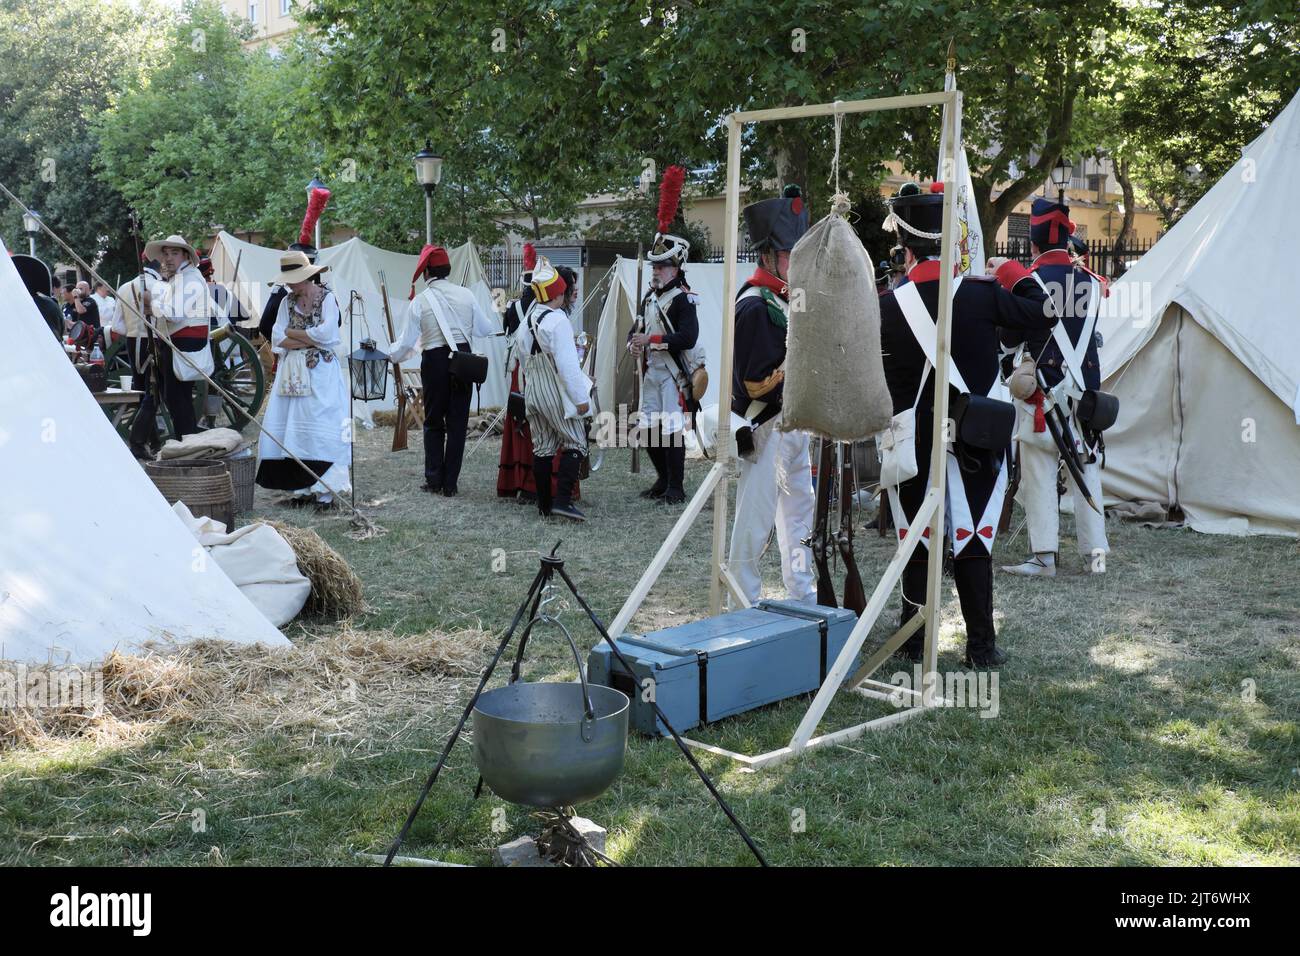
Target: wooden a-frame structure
931	513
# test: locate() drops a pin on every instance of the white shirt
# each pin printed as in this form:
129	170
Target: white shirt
555	337
464	317
109	314
182	300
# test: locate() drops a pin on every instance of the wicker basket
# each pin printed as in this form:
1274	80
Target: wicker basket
203	485
242	472
94	376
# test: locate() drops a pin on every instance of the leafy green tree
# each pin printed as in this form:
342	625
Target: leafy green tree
212	135
60	61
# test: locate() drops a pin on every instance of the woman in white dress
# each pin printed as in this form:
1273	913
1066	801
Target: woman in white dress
308	410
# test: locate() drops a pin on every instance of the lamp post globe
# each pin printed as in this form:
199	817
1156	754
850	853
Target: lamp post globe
1061	174
428	173
32	226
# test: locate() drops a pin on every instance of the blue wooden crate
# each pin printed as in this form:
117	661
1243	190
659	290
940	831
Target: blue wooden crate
720	666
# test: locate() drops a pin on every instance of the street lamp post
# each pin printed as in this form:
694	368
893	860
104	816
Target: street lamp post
311	186
1061	174
32	226
428	173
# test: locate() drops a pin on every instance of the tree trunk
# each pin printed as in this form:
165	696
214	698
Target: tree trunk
790	156
1125	237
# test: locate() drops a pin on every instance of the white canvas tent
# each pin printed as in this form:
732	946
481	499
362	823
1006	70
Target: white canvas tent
91	556
614	374
355	266
1201	342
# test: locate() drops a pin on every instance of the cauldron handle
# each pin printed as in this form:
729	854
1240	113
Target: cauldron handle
589	715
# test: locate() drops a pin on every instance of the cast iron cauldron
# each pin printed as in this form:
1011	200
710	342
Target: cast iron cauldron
550	745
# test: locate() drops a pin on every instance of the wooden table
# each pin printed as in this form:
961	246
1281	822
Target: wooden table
117	404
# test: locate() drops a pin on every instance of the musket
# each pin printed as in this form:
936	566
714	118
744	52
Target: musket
1013	485
855	596
399	427
1059	426
636	379
819	540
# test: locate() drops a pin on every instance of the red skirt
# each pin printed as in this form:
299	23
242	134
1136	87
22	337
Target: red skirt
515	471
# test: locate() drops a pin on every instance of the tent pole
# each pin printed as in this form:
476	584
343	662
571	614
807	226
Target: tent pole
723	442
941	431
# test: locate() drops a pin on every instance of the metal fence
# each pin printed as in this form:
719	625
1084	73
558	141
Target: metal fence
1103	258
503	267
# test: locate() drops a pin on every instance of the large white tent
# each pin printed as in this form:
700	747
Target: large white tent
615	373
1201	342
91	556
356	266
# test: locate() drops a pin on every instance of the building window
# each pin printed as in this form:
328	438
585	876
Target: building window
284	7
1018	226
252	13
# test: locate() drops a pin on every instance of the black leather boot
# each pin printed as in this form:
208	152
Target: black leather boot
542	475
675	493
564	507
659	458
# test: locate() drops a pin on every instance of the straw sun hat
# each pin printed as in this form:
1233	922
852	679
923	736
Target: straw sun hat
296	267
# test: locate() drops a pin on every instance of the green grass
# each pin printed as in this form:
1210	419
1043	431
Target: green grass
1146	718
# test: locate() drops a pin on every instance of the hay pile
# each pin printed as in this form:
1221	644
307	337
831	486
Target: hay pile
329	685
387	418
336	591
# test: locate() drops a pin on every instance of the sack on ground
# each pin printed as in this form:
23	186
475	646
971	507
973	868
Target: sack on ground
835	379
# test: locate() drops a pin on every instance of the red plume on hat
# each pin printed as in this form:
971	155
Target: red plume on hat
530	257
670	194
315	206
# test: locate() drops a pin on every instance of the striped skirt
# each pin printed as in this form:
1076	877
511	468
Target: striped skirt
544	405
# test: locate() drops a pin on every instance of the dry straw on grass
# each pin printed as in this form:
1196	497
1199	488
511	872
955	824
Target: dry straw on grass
335	589
328	684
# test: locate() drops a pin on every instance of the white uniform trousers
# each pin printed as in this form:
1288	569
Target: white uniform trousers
659	401
1037	495
775	486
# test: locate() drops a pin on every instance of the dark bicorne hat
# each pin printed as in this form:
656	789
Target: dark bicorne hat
777	224
306	247
916	213
34	273
1049	224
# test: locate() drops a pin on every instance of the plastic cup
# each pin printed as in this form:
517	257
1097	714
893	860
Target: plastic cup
126	383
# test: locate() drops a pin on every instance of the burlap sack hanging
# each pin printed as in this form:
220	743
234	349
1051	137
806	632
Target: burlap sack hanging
834	376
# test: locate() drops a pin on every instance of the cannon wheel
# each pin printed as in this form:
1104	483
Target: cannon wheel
237	369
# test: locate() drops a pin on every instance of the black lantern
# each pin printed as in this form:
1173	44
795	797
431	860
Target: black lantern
1061	174
369	368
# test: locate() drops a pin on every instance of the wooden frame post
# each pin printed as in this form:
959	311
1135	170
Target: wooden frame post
931	513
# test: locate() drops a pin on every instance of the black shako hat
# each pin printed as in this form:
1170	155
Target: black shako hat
921	210
34	273
779	223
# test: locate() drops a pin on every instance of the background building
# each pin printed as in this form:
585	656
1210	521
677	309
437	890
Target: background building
271	19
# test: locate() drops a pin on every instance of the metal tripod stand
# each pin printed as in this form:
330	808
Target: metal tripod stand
550	567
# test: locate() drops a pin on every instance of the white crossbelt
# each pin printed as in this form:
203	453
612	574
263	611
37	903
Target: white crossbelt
926	332
1073	355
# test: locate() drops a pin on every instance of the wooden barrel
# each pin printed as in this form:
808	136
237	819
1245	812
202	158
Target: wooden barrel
204	485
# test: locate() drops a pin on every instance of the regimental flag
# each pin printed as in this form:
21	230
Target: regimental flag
968	251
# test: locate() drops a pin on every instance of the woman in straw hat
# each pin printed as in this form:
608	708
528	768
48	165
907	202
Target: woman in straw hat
308	411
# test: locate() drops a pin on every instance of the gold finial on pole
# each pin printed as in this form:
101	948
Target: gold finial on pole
952	55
